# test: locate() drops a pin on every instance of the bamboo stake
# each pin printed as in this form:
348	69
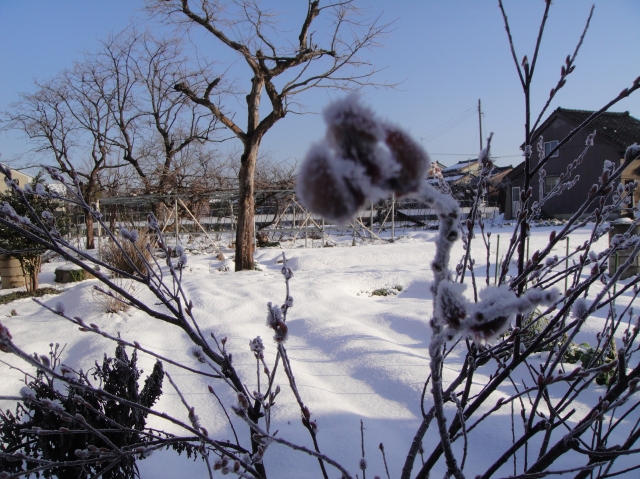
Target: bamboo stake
198	223
495	280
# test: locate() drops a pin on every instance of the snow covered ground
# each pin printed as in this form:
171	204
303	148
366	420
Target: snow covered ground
355	356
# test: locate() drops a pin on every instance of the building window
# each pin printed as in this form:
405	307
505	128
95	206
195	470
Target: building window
550	183
550	145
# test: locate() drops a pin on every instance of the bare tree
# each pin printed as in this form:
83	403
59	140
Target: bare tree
279	66
69	119
156	128
116	121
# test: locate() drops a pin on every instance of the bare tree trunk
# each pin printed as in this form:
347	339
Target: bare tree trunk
88	221
246	210
30	266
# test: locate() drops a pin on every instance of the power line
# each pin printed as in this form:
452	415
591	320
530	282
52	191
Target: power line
448	125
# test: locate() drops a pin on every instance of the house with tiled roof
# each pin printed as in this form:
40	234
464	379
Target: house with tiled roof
614	132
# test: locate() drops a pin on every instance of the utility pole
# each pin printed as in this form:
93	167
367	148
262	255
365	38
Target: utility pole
480	122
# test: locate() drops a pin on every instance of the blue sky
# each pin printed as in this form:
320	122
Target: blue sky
447	54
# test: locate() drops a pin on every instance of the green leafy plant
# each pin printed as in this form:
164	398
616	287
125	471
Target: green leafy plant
591	357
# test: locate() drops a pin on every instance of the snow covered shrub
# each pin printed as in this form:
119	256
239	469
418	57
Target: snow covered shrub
74	429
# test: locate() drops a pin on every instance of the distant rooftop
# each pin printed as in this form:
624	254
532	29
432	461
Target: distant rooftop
619	127
459	165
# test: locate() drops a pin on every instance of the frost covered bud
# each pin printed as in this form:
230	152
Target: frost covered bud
451	304
45	360
256	346
286	272
153	222
580	308
197	353
27	392
274	316
59	308
363	464
487	329
498	306
289	302
243	401
632	152
281	330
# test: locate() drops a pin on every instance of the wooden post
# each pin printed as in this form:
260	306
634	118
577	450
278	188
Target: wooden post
177	224
99	229
393	217
371	222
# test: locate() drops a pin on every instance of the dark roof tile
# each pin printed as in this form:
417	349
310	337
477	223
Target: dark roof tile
621	128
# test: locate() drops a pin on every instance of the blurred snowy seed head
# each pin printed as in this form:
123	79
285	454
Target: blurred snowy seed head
362	158
179	250
59	307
